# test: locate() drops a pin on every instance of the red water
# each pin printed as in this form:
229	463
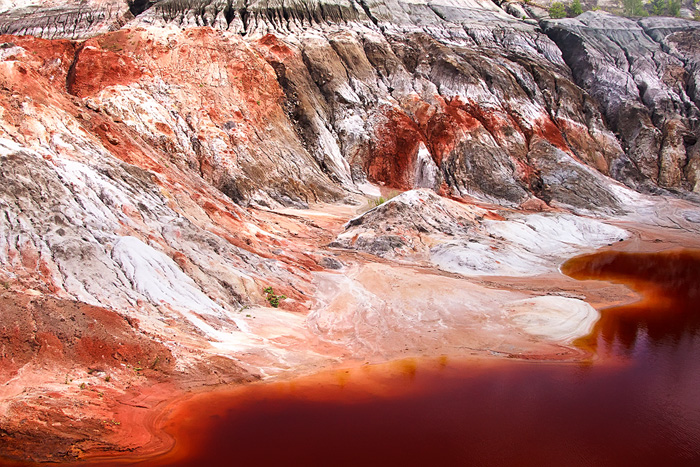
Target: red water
638	404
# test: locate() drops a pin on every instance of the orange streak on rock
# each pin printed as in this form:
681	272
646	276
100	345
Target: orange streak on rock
545	128
95	69
525	172
446	128
393	152
275	46
591	150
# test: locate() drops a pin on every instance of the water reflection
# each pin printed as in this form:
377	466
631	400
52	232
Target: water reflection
667	315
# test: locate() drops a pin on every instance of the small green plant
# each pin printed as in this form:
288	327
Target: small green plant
575	8
378	201
83	386
557	10
673	7
374	202
634	8
108	379
273	298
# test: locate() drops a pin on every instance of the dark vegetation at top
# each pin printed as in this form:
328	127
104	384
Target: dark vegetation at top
631	8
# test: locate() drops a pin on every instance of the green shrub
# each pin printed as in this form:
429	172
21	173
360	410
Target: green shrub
557	10
673	7
634	8
575	9
273	298
381	200
378	201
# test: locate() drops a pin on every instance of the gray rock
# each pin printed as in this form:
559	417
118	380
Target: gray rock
330	263
642	73
66	20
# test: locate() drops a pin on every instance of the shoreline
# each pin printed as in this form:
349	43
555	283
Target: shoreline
326	375
600	294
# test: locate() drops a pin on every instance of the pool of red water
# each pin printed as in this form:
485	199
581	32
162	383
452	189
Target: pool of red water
636	404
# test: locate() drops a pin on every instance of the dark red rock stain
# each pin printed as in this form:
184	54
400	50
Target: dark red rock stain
499	124
393	151
445	130
546	129
275	46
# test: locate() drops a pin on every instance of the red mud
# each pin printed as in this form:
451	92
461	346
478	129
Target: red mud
71	332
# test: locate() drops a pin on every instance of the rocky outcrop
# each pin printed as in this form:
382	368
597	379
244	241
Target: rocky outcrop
375	98
419	96
433	95
679	39
99	209
643	76
398	226
65	20
421	226
413	99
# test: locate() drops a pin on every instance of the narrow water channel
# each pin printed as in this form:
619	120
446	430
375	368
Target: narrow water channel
636	404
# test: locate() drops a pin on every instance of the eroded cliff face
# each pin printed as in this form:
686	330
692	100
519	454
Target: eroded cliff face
459	97
643	74
61	19
164	162
431	94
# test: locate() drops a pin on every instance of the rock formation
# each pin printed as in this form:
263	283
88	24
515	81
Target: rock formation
165	162
646	86
59	19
